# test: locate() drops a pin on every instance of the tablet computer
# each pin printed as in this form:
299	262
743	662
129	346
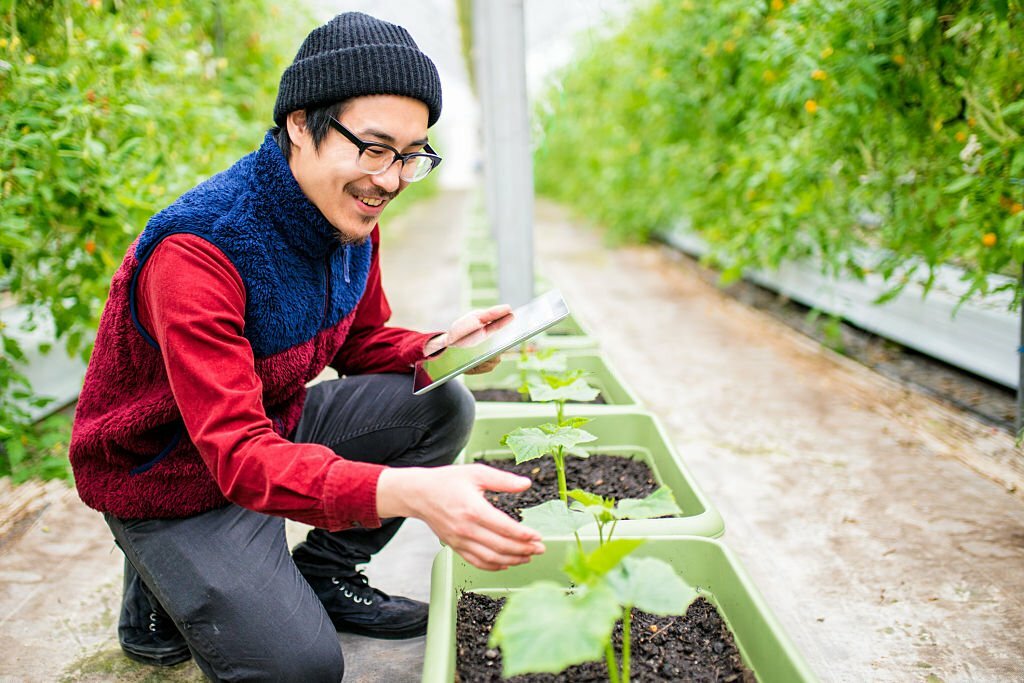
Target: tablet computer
490	340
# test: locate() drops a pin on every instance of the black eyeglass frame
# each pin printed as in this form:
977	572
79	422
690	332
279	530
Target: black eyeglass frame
363	145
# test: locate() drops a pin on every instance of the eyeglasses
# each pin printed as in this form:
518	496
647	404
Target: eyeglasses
376	157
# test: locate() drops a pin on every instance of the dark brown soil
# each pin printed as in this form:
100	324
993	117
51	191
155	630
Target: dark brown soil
513	396
694	647
613	476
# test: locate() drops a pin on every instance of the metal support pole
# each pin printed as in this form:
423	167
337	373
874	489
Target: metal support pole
1020	369
508	166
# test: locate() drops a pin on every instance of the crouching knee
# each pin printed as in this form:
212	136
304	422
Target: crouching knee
454	411
320	662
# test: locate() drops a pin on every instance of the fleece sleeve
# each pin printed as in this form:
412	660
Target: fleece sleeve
372	346
191	300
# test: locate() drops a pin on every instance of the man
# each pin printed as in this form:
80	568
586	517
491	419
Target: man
194	432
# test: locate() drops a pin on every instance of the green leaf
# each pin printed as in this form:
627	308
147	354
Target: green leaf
915	28
1001	8
553	518
586	568
651	585
530	443
587	498
578	390
543	629
542	363
658	504
959	185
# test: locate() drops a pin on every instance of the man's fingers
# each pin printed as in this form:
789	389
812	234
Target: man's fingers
493	479
493	313
482	554
486	366
505	534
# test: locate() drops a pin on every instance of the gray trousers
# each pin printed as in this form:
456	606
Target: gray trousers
226	578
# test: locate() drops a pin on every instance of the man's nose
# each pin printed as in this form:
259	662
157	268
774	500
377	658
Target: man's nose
390	179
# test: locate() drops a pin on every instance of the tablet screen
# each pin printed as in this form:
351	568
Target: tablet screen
487	342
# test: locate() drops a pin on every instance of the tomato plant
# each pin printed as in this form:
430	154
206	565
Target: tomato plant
870	135
109	110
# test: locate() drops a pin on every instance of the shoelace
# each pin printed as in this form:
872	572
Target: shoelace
357	578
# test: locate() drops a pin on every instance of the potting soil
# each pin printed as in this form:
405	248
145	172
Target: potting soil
612	476
513	396
695	647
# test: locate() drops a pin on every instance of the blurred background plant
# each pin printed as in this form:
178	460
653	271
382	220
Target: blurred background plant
871	135
108	110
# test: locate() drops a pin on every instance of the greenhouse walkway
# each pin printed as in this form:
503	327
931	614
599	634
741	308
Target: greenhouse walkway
882	555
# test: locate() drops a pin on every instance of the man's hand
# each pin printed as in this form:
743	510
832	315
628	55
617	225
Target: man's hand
462	330
451	501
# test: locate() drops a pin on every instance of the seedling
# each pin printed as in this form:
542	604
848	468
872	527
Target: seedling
558	389
545	377
532	366
557	440
545	629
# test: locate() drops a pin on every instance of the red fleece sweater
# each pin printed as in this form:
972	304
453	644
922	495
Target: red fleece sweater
191	300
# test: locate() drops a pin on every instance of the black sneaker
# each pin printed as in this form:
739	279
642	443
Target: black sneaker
356	607
158	643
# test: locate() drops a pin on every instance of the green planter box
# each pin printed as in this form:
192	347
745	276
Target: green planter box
481	297
600	375
479	250
703	563
622	430
482	275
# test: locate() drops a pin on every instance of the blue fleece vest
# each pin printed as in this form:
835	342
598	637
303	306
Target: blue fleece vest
286	252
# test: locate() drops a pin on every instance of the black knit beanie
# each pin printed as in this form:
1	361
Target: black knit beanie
355	54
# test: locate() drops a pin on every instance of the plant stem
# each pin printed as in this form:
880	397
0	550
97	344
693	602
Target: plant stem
560	412
563	491
612	530
627	624
609	657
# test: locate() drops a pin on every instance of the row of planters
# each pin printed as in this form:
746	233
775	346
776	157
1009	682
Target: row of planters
633	584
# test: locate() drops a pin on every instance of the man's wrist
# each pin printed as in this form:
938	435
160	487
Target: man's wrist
394	492
435	345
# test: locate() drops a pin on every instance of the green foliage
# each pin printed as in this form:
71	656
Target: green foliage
38	451
553	518
545	629
464	15
560	389
809	129
556	440
530	443
542	360
109	110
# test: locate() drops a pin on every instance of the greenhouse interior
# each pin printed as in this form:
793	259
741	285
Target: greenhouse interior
690	350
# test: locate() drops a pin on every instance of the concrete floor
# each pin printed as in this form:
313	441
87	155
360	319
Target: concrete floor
845	495
884	557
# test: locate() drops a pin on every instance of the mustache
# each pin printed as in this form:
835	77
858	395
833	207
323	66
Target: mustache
371	192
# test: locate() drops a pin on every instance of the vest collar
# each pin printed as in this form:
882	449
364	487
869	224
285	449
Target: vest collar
286	206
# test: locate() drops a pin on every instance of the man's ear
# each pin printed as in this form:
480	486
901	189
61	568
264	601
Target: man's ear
298	133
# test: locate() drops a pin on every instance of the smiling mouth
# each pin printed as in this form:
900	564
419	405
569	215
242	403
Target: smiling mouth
371	201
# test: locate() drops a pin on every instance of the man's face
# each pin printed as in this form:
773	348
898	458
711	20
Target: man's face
349	198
